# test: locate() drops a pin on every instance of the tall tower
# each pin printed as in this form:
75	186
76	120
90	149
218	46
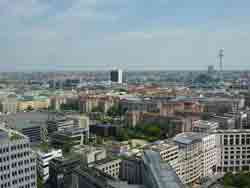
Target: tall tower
221	55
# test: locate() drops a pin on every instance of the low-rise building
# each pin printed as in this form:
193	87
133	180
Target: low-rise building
204	126
110	166
43	160
74	135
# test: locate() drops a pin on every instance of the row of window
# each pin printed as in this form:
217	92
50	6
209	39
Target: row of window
19	146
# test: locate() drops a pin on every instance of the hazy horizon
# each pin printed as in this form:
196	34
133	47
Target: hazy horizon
52	35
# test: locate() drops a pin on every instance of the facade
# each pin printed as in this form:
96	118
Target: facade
204	126
156	174
36	103
58	124
17	161
197	155
90	154
9	104
233	150
131	170
77	135
32	124
168	151
116	76
108	166
60	170
43	160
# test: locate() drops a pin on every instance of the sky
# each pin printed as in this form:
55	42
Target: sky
52	35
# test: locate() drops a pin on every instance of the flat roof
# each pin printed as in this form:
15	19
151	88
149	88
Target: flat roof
189	137
23	120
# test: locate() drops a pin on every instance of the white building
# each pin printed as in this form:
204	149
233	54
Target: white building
204	126
43	159
197	155
17	161
168	151
233	153
90	154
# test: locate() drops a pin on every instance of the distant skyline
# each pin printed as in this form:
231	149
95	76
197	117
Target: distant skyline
48	35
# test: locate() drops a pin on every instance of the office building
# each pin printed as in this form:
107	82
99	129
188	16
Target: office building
110	166
60	170
157	174
197	155
94	178
17	161
59	123
43	160
168	151
233	153
90	154
75	135
204	126
32	124
116	76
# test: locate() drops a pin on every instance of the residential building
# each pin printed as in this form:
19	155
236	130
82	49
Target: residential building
9	104
43	160
17	161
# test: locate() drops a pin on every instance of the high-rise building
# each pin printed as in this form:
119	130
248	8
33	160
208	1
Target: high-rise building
116	76
17	161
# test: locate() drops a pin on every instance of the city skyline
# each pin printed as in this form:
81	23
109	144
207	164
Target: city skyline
96	35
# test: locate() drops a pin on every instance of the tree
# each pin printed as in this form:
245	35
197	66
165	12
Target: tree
29	108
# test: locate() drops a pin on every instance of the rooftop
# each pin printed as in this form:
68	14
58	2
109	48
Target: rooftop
23	120
164	175
189	137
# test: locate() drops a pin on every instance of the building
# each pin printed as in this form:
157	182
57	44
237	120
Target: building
157	174
197	155
104	130
33	102
9	104
59	123
168	151
204	126
116	76
74	135
17	161
60	170
43	160
93	178
90	154
110	166
131	170
233	150
31	124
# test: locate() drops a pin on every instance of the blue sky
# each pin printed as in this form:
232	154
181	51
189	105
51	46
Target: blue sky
47	35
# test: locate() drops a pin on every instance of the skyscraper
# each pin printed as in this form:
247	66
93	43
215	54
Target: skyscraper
17	161
116	76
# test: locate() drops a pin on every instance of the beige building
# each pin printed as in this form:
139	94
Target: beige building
108	166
